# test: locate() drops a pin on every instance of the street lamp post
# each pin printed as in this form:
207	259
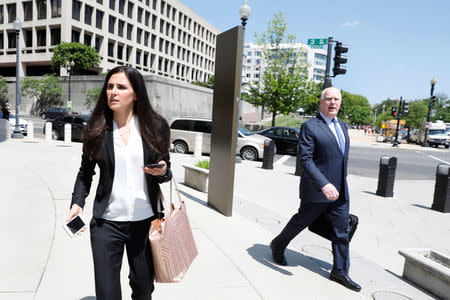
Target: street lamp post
244	13
17	134
425	142
69	67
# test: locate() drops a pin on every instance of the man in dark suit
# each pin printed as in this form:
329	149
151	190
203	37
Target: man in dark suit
324	146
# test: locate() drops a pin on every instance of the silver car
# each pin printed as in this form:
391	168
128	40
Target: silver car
183	131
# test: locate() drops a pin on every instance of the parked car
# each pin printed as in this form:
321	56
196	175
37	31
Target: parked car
183	131
23	124
54	112
78	123
285	138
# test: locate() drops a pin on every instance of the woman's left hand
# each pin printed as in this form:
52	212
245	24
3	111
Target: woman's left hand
156	171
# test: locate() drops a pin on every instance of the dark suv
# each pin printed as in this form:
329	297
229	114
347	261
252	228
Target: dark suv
78	123
54	112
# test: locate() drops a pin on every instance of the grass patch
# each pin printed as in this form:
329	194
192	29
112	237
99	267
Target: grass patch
288	121
203	164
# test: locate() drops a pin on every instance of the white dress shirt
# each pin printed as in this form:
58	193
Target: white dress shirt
129	200
333	130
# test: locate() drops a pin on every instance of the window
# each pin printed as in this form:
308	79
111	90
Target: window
2	16
256	76
153	41
130	10
11	14
76	7
138	35
140	12
249	68
154	4
112	23
98	43
153	22
1	40
41	35
174	12
320	63
138	57
249	60
317	77
27	11
111	49
320	56
112	4
129	31
145	62
168	10
28	37
147	18
55	36
249	53
202	126
161	43
55	8
161	26
87	39
319	71
163	4
98	19
129	53
12	39
121	6
121	27
88	14
75	36
146	36
120	51
41	9
100	1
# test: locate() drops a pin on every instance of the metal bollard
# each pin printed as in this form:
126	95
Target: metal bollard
48	131
441	200
198	145
298	165
67	133
386	176
269	151
30	130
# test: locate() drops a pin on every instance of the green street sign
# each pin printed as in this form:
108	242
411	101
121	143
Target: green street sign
318	42
316	46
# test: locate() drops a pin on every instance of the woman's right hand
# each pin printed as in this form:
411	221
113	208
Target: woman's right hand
75	210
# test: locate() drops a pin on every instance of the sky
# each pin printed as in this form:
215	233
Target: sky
395	47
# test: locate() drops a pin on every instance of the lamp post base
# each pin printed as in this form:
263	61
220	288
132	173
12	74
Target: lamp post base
425	144
17	135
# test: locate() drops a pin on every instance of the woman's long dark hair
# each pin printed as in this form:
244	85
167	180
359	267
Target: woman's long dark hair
154	128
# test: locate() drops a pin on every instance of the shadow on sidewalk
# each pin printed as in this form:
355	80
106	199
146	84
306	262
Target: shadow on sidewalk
88	298
199	201
421	206
262	254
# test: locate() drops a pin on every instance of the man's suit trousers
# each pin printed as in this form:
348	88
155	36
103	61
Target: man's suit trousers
108	239
337	213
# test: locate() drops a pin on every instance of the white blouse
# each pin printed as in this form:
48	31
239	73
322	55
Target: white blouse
129	200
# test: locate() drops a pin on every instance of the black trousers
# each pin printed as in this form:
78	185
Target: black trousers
337	212
108	240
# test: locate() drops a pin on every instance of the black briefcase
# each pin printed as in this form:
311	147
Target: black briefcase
322	226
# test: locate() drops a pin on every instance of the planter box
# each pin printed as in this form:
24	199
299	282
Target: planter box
196	178
428	269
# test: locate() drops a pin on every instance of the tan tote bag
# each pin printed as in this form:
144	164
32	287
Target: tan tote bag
172	242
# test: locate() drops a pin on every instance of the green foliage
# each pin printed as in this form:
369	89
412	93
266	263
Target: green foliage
355	109
284	84
209	84
84	57
383	117
417	114
3	92
92	97
203	164
287	121
47	92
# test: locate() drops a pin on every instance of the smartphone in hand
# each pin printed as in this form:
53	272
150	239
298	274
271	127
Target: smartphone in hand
74	226
154	165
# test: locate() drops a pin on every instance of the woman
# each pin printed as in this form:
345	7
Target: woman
123	135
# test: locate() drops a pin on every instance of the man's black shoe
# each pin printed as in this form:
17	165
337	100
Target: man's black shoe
345	281
278	255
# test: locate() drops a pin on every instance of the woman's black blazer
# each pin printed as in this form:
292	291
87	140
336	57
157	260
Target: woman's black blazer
105	161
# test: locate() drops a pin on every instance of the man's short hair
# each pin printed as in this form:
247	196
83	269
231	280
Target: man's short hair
322	97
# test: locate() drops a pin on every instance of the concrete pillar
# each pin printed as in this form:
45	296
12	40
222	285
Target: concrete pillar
198	145
30	130
67	133
48	131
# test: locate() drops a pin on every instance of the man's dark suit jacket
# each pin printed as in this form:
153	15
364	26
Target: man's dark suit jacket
322	160
106	164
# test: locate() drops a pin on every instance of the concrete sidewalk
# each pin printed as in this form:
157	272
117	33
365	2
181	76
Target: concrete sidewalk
39	261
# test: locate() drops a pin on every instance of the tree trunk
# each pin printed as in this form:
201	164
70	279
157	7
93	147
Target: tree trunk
274	114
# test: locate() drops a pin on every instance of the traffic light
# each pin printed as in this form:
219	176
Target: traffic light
339	59
394	111
405	107
432	101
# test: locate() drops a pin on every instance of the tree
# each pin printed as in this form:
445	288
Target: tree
284	84
209	84
47	92
355	109
3	92
84	57
92	97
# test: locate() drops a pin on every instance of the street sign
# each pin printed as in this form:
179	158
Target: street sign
318	42
433	112
316	46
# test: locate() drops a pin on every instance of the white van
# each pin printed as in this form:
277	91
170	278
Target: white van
183	131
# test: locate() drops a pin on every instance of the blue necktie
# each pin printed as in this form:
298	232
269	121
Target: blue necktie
340	136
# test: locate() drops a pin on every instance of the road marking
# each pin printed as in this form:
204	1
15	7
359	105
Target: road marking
282	160
446	162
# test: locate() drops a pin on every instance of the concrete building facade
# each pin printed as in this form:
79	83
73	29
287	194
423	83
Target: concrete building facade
162	37
255	64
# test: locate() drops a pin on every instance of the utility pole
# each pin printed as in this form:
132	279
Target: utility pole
399	113
327	81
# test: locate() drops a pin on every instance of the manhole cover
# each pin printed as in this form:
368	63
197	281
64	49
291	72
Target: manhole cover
386	295
268	221
316	250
